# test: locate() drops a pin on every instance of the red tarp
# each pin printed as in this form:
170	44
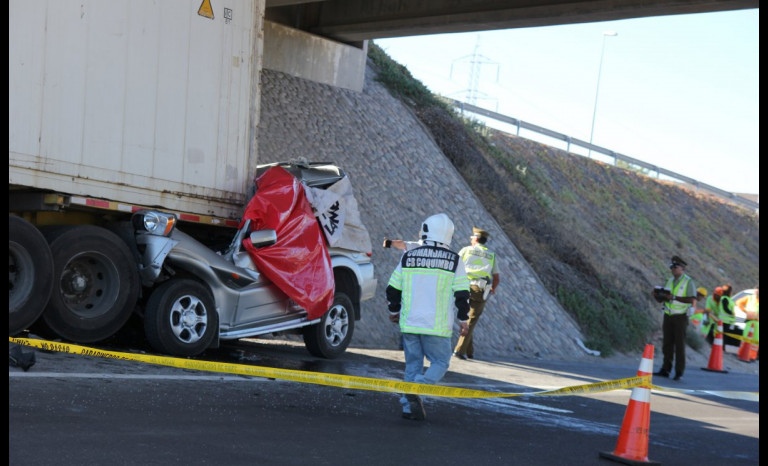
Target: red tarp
299	263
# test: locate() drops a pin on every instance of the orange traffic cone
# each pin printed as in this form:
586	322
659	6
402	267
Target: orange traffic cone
716	356
746	350
632	447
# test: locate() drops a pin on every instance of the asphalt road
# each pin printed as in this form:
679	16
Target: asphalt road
76	410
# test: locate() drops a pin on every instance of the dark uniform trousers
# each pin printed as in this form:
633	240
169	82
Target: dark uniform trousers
476	306
673	329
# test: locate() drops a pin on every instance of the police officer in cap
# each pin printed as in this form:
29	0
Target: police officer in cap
483	273
680	294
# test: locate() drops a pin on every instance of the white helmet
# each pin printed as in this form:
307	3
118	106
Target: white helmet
438	228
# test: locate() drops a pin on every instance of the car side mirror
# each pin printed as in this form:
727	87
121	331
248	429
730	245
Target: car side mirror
263	238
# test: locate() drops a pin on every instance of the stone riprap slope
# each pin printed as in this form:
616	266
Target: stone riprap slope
400	177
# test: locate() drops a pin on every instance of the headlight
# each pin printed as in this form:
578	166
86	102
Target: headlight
153	222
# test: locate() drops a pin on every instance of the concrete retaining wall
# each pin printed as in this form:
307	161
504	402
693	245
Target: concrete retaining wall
400	177
298	53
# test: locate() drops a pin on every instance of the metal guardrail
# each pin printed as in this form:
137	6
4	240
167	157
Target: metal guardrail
735	198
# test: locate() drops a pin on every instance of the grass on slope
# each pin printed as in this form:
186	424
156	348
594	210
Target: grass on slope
598	236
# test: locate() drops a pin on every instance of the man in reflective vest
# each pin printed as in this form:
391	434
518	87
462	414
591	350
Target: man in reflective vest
483	272
428	282
726	314
698	309
681	294
713	312
750	305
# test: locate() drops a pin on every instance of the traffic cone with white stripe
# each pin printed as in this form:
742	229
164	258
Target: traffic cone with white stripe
716	356
632	447
746	349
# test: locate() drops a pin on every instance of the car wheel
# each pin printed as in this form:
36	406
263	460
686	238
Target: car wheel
331	336
180	318
95	283
30	274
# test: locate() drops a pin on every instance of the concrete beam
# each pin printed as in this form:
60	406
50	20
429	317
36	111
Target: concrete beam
354	21
318	59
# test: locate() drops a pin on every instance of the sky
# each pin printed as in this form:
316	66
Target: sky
680	92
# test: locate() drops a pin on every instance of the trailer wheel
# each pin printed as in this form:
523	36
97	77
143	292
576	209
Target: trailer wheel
180	318
30	274
330	337
96	283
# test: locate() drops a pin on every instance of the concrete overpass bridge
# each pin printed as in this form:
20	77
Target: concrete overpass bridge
326	40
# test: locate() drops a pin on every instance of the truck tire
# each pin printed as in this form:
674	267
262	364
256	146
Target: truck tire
30	274
180	318
330	337
96	283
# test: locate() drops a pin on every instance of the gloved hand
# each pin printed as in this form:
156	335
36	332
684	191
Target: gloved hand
394	318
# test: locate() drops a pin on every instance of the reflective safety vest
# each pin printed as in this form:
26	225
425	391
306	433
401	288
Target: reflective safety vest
697	317
714	307
679	290
752	308
706	325
754	327
479	262
722	314
428	277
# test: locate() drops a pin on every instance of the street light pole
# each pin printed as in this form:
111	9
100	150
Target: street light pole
597	90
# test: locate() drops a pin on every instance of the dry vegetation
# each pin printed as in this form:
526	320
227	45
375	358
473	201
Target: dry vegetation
598	236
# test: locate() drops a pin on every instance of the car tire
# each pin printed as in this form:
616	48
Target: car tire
30	274
180	318
330	337
95	286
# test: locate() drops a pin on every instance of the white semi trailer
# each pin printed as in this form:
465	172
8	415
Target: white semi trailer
118	106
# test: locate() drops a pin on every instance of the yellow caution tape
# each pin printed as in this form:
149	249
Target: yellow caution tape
334	380
619	384
730	394
743	338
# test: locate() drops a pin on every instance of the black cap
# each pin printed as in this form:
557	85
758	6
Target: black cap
676	260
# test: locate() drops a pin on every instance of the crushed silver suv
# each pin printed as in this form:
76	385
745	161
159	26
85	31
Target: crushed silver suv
289	268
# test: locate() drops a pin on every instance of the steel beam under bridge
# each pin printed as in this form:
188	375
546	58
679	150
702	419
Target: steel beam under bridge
352	21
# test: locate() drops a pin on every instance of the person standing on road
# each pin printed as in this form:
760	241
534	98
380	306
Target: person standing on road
750	305
428	282
728	316
681	293
697	311
712	310
483	272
